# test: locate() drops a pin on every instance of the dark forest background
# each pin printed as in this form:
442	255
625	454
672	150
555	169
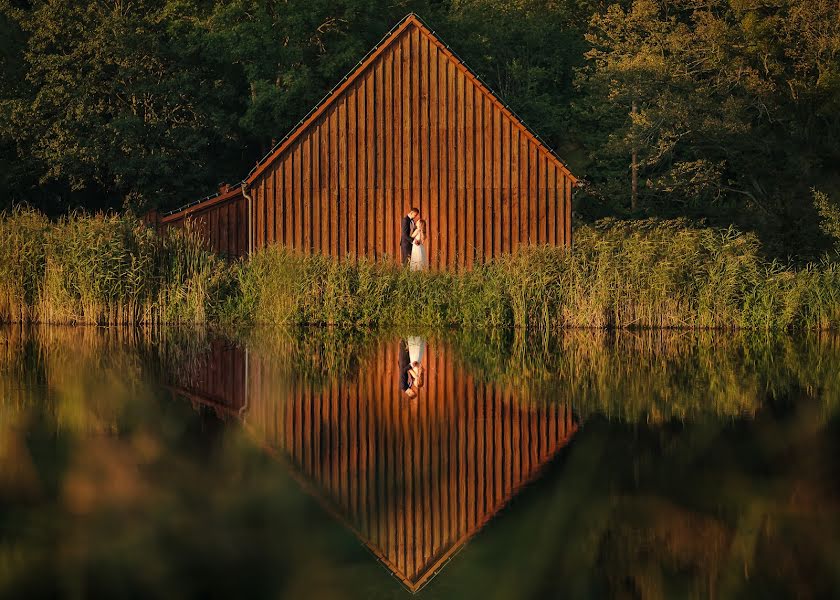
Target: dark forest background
730	109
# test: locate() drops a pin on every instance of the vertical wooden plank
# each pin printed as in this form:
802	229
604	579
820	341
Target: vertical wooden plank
315	186
297	195
341	224
405	146
499	220
533	178
478	141
259	213
241	227
460	169
551	199
269	204
230	228
396	144
568	202
221	243
452	141
379	168
524	200
433	218
515	193
506	200
445	173
362	125
415	147
335	198
370	152
391	218
312	140
284	214
469	165
352	222
422	145
490	215
279	208
543	202
324	184
306	176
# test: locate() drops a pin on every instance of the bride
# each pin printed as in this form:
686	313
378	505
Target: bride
419	260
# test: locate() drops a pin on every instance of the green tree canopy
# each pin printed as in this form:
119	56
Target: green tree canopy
737	105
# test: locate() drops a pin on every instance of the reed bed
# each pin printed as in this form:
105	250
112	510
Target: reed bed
99	269
641	274
644	274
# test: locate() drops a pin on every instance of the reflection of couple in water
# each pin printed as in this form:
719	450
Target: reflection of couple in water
411	366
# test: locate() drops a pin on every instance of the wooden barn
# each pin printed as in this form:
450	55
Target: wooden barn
411	125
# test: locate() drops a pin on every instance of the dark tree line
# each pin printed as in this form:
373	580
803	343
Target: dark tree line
727	110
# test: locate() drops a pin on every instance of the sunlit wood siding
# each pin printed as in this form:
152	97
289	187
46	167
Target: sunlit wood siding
221	221
412	127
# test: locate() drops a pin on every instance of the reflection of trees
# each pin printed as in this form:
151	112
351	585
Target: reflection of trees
666	491
660	375
741	509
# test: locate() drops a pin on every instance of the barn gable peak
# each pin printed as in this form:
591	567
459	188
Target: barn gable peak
390	38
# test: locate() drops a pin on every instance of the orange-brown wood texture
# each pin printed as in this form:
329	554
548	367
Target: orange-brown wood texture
411	126
221	222
414	479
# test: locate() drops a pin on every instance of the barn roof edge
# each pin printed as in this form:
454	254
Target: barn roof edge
325	101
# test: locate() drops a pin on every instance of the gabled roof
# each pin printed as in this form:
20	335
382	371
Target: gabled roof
359	70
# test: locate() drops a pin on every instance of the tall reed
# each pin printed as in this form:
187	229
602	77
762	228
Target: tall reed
640	274
643	274
103	269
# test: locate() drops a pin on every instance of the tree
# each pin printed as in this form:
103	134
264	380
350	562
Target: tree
123	99
736	105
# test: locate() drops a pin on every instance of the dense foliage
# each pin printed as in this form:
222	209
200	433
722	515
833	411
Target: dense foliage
730	108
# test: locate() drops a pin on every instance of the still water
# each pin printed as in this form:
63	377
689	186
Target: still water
325	465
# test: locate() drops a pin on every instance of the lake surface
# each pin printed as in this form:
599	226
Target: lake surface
325	465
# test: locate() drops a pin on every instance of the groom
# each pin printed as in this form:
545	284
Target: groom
405	234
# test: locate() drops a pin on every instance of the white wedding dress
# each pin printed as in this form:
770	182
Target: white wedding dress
419	261
416	349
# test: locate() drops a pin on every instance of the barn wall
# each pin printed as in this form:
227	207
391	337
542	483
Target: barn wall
413	129
221	222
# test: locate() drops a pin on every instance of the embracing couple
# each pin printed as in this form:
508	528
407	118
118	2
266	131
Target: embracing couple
413	241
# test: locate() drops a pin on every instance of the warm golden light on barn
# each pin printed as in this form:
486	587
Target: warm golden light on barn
410	126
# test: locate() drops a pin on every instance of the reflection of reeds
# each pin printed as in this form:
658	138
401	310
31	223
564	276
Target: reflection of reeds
312	355
652	375
80	378
657	375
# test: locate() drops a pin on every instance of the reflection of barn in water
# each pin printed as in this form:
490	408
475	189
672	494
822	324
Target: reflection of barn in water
413	479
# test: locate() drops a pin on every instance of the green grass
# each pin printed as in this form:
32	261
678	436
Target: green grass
642	274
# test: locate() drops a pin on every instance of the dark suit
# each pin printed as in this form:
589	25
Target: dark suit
404	366
405	238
